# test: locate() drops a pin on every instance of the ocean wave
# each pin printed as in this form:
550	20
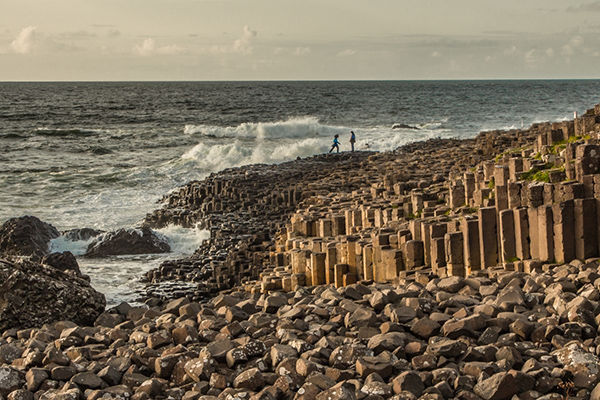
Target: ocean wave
213	156
183	241
216	157
67	131
299	127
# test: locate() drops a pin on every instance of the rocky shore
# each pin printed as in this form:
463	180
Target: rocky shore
446	269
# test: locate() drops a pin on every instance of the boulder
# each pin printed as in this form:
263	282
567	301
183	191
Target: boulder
63	261
581	363
26	236
10	379
128	241
32	294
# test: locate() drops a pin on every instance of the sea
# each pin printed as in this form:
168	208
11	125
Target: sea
102	154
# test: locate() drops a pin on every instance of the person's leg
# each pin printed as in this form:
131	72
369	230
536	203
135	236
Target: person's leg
338	148
352	143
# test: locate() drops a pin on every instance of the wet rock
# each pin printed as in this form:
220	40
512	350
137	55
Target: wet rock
26	236
62	261
128	241
34	294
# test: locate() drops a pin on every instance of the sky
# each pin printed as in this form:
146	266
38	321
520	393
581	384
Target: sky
120	40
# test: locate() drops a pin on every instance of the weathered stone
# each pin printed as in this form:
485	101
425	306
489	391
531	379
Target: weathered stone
408	381
127	241
251	379
34	294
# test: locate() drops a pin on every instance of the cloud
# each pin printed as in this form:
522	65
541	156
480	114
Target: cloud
587	7
512	50
25	40
530	57
575	44
302	51
346	53
149	48
243	45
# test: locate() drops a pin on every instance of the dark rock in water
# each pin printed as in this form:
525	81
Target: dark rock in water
32	294
404	126
26	236
81	234
128	241
63	261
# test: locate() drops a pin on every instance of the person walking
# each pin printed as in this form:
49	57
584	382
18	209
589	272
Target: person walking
336	144
352	139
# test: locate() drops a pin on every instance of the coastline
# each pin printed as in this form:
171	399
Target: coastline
287	307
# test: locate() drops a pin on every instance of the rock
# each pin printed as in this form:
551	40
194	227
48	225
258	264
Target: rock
366	365
583	365
504	385
341	391
361	317
62	373
158	339
62	261
595	395
468	326
110	375
446	347
273	303
251	379
34	378
88	380
10	379
425	328
34	294
26	236
153	388
199	368
281	351
20	394
386	341
452	284
128	241
9	352
408	381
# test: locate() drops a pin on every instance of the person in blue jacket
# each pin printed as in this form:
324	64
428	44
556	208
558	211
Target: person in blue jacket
336	144
352	139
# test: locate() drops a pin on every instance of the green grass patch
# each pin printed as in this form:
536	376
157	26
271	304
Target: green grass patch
540	173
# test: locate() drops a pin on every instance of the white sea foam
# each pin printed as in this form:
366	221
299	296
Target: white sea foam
298	137
62	244
299	127
184	241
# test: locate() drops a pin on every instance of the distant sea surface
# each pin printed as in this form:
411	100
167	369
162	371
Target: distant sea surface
101	155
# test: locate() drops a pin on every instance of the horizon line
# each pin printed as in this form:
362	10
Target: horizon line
297	80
